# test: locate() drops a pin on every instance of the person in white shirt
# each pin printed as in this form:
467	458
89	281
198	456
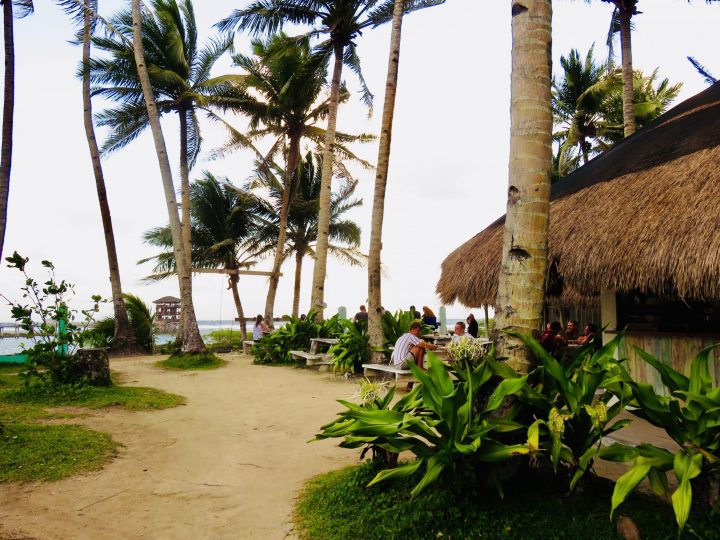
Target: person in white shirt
460	332
409	347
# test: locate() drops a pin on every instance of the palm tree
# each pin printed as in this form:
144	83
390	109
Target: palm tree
191	338
24	8
302	222
283	83
521	286
342	21
223	221
375	316
578	100
702	70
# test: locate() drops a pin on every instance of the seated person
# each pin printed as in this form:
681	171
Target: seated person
552	339
472	325
361	315
429	318
409	347
460	332
260	328
415	312
572	332
589	333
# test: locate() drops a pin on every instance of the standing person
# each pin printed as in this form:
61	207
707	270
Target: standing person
460	332
260	328
415	312
361	315
429	318
409	347
472	326
572	332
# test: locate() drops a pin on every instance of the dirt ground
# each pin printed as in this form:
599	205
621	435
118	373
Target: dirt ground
228	464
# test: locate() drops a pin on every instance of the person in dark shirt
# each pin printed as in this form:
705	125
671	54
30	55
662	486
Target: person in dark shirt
415	312
552	339
361	315
429	317
472	326
589	333
572	332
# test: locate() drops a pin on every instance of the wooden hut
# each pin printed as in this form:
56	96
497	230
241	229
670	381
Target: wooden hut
635	235
167	313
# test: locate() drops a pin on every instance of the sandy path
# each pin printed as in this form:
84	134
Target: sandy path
226	465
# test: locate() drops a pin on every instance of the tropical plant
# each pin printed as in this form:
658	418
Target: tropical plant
521	287
341	21
352	349
294	335
691	417
466	350
223	223
282	97
50	323
302	224
398	323
438	421
142	324
702	70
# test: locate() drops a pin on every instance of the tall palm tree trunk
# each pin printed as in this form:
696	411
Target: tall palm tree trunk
288	188
192	341
374	261
627	71
185	209
8	111
521	287
124	340
299	256
233	280
323	239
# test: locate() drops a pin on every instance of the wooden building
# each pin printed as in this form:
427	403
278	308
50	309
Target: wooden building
634	238
167	313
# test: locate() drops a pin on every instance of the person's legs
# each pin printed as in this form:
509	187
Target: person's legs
418	354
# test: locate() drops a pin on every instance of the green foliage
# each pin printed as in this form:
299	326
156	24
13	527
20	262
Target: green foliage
338	505
225	339
439	421
691	417
397	324
353	348
50	323
572	421
142	322
191	361
466	350
295	335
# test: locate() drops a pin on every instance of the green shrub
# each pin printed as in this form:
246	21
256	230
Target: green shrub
191	361
142	322
353	348
225	339
397	324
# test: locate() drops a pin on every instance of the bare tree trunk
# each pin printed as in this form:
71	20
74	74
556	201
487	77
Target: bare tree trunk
124	341
288	188
192	341
323	238
299	256
521	288
8	111
185	220
584	146
627	70
375	328
487	322
233	281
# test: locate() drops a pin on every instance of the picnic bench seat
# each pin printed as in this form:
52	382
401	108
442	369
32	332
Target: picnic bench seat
312	359
401	375
247	345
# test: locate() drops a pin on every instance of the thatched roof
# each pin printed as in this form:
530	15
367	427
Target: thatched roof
644	215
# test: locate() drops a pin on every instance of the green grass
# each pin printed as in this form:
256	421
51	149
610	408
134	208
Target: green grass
337	505
191	362
31	451
38	452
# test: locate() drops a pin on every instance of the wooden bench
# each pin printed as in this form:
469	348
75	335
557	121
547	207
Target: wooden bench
247	345
312	359
401	375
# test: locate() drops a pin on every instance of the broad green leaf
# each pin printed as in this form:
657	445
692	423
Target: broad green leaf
432	471
658	481
618	452
686	468
627	482
670	378
700	379
504	389
399	472
533	435
492	452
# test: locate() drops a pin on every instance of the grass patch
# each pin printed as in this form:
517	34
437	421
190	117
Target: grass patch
337	505
191	361
36	452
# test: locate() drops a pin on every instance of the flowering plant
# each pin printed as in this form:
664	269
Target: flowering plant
466	350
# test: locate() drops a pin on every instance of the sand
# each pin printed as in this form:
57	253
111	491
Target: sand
228	464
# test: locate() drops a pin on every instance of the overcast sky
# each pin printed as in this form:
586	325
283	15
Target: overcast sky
448	172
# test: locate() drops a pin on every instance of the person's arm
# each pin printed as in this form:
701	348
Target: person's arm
265	328
426	345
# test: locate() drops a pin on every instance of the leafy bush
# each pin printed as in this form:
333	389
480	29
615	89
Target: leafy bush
466	351
191	361
225	339
294	336
142	322
353	348
50	323
691	417
397	324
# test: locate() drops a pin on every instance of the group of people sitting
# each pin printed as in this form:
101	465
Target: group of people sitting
554	340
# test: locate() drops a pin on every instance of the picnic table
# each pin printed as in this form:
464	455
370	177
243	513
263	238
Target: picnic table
439	340
314	342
